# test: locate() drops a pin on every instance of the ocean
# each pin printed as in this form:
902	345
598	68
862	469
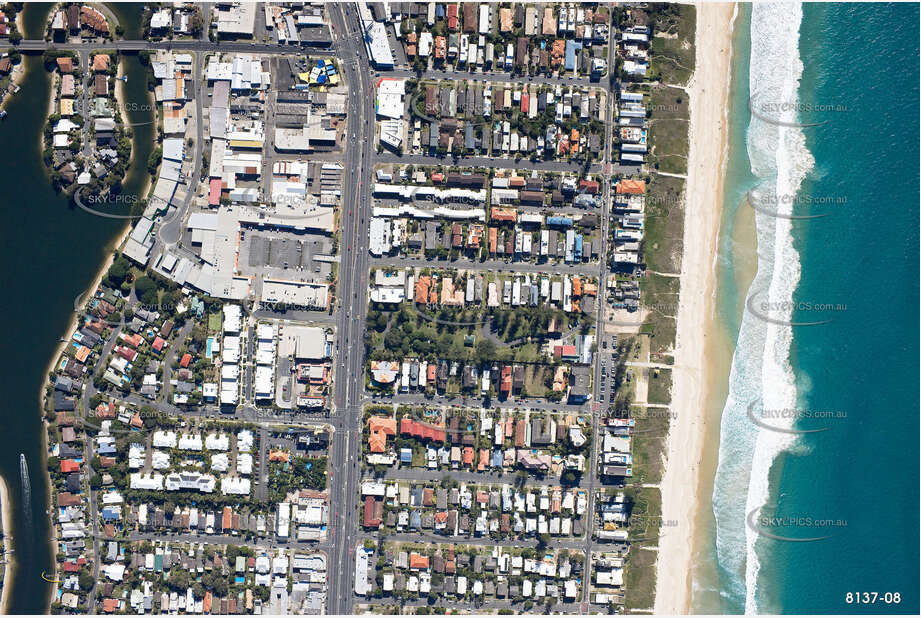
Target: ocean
819	429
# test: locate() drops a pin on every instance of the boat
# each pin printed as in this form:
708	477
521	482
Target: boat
3	114
124	78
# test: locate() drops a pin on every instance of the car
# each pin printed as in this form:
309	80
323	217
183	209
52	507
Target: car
604	345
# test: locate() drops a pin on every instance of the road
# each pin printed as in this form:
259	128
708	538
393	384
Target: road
344	465
462	476
477	402
170	230
500	266
38	45
490	162
497	77
591	479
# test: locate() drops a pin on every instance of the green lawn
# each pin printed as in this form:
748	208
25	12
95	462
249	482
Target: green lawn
640	572
660	388
668	129
673	57
661	295
664	234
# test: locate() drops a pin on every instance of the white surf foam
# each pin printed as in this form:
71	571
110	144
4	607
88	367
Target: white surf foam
760	366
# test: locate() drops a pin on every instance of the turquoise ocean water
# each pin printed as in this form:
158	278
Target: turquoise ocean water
853	485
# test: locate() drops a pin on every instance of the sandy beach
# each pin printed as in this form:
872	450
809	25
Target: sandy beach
709	90
7	557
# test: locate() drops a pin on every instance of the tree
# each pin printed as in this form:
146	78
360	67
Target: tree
153	162
86	580
179	579
146	289
485	350
118	271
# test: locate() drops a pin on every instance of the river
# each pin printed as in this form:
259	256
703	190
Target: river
50	254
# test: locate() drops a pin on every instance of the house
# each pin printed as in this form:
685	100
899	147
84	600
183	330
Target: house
101	63
422	431
380	427
373	512
418	562
101	85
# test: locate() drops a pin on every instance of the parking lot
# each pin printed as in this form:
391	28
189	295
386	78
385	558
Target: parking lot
286	255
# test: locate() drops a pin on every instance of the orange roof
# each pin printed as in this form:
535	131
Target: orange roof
502	214
423	431
576	286
418	562
590	289
557	52
468	455
206	606
637	187
279	455
484	459
186	359
423	285
101	62
82	354
226	518
431	372
69	465
133	340
380	427
109	606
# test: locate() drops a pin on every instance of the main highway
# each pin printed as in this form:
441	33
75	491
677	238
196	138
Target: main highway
344	466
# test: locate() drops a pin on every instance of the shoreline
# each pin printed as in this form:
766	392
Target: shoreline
692	376
16	74
74	321
46	424
8	561
122	111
